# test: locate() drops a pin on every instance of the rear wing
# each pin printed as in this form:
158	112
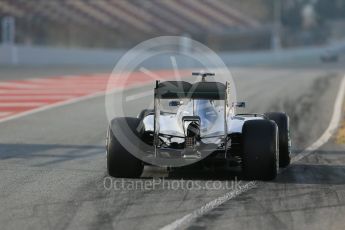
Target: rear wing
182	89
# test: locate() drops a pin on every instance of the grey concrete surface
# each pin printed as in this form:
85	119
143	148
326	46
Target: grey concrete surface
308	195
52	166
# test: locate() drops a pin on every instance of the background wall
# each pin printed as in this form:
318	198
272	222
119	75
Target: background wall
32	55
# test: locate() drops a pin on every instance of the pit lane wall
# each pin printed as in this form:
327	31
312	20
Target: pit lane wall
40	56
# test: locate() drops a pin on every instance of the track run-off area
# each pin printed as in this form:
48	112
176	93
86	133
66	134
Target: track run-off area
21	97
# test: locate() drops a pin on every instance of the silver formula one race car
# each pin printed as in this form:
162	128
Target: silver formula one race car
197	123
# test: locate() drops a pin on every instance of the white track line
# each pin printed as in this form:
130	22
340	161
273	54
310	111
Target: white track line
190	217
332	127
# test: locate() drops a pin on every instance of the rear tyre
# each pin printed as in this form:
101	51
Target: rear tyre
120	162
282	120
260	150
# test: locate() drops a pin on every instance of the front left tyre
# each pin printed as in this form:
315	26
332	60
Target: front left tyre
120	162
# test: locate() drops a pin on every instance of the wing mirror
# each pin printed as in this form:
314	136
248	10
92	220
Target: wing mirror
239	104
175	103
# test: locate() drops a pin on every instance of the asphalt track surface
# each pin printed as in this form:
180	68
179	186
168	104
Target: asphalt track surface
53	168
